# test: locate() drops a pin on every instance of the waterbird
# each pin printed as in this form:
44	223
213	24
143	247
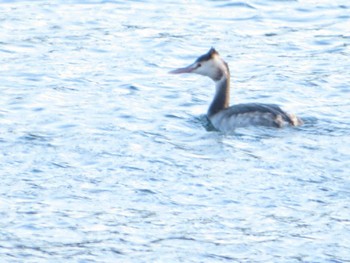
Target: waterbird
227	118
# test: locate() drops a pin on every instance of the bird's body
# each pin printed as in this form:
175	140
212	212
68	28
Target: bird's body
224	117
252	114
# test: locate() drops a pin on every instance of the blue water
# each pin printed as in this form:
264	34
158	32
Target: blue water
104	157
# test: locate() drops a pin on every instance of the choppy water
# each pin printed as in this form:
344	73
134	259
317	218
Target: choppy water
106	158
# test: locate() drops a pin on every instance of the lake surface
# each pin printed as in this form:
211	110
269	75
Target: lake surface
104	157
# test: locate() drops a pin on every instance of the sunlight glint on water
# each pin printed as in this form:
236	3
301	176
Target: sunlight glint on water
107	158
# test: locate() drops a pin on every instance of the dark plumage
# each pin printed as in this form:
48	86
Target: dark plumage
207	56
261	108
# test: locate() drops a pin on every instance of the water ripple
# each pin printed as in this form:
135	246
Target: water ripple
106	157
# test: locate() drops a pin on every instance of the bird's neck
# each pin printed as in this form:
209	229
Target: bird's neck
221	99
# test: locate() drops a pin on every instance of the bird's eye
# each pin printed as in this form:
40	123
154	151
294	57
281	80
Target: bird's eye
199	65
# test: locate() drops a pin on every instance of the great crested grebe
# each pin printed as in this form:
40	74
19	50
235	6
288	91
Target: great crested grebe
225	118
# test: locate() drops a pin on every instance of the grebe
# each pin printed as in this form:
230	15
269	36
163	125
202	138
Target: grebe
225	118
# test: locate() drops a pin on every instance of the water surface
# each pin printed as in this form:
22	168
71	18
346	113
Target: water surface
107	158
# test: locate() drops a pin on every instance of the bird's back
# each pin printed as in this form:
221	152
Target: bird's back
242	115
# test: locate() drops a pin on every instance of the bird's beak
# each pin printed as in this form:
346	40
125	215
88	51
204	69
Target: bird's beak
187	69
